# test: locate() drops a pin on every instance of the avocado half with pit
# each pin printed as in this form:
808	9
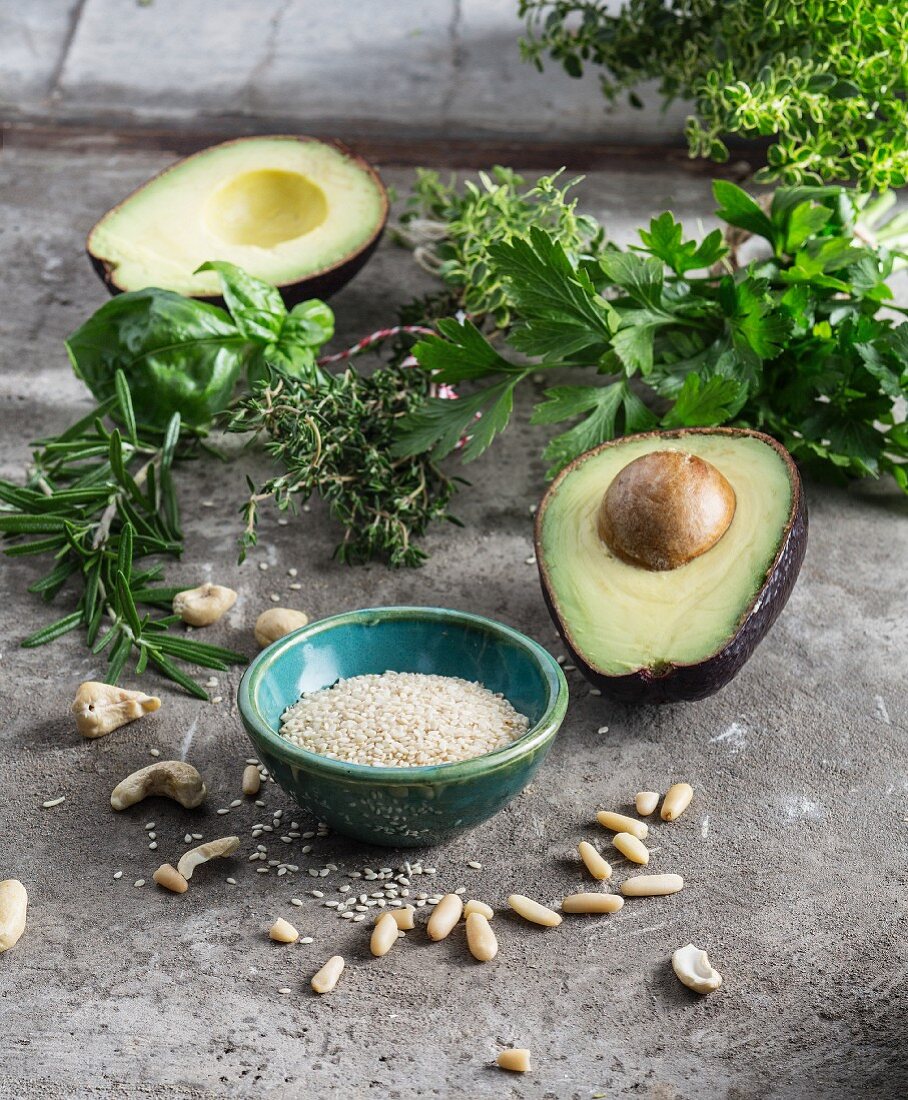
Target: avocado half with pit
666	557
300	213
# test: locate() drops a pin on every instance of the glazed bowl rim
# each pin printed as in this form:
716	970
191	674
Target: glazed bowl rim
527	743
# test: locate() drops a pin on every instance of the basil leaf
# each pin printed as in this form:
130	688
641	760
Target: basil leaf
177	354
256	306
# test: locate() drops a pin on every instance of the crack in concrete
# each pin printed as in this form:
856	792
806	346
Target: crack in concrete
56	76
458	53
275	24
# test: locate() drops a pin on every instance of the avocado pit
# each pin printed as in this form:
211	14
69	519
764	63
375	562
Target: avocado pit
664	509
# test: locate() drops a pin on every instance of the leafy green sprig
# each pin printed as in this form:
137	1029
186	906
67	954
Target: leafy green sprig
796	343
334	438
186	356
450	232
97	500
825	80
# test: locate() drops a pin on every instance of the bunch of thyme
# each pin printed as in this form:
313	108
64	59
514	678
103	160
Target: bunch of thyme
334	438
96	500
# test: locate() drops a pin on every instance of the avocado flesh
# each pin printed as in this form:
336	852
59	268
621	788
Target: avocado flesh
281	208
621	618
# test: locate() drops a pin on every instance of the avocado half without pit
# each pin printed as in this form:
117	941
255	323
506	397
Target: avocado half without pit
666	557
300	213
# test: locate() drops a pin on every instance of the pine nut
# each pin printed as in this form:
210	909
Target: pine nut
516	1060
592	903
677	799
384	935
444	916
593	861
403	918
170	878
620	823
13	906
645	886
252	780
534	912
326	979
631	847
481	940
474	906
282	931
646	802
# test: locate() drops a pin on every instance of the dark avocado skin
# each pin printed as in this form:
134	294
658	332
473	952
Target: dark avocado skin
687	683
320	284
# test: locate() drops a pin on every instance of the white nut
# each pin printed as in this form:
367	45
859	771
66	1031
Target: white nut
630	846
326	979
223	846
204	605
282	931
474	906
677	799
694	970
517	1060
646	802
252	780
481	940
168	778
276	622
100	708
170	878
13	904
651	886
621	823
598	867
384	935
404	918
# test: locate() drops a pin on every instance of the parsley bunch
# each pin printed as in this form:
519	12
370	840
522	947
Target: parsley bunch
794	344
826	80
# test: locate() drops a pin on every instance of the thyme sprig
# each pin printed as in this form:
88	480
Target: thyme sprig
334	439
97	499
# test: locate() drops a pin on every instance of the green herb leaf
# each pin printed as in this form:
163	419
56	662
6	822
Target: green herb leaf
706	403
256	306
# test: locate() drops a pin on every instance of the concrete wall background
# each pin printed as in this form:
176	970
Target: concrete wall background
424	68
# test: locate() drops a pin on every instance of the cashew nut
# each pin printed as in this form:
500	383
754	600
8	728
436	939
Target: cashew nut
100	708
168	778
204	605
13	903
223	846
694	970
276	622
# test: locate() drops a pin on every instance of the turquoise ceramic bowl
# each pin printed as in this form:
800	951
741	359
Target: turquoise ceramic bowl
403	806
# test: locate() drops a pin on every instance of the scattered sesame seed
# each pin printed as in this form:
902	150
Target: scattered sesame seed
232	881
139	882
223	810
51	802
595	691
292	572
307	939
602	729
236	802
152	836
476	866
294	587
197	836
263	565
317	893
149	824
217	699
282	522
261	870
283	989
259	802
274	597
296	901
118	874
561	659
569	668
187	839
531	560
154	752
153	845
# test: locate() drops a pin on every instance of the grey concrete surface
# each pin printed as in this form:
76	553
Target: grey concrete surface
449	67
793	850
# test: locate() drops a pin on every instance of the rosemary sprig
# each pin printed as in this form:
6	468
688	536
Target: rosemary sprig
334	439
98	499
